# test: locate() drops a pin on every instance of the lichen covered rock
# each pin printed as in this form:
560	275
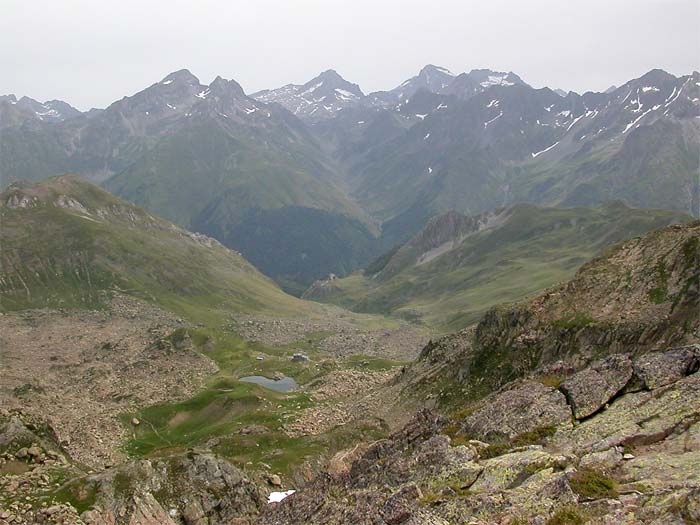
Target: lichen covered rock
589	390
525	407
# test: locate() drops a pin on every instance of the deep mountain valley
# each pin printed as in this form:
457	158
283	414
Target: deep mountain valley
321	178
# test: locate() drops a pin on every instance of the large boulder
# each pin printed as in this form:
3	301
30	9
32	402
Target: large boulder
525	407
589	390
663	368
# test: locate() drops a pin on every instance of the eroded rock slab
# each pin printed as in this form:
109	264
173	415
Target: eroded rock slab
589	390
525	407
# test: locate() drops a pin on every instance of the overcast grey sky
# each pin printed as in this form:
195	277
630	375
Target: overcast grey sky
90	52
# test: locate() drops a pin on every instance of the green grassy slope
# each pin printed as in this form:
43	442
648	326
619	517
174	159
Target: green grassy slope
532	249
67	243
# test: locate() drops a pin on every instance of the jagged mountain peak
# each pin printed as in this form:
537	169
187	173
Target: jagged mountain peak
329	74
488	78
180	76
221	85
433	69
320	98
328	81
657	73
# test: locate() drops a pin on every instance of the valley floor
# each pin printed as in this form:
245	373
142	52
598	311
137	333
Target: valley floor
134	381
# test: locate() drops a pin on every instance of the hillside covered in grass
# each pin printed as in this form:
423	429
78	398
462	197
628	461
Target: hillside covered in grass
68	243
457	266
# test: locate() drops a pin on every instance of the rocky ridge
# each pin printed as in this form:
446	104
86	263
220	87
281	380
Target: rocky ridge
524	454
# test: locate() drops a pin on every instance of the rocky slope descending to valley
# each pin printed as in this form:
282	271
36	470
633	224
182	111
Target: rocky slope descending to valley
82	370
524	456
640	296
582	405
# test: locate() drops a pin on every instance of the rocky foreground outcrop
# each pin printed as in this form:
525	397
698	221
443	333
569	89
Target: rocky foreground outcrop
641	296
523	455
190	488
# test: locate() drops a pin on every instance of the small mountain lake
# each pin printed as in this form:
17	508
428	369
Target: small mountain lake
286	384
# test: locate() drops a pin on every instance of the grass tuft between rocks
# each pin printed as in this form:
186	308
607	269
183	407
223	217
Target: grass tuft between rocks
568	515
591	484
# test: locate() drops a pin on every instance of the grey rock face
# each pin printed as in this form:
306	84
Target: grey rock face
590	389
660	369
201	488
526	407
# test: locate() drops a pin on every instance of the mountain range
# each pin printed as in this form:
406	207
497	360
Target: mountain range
320	178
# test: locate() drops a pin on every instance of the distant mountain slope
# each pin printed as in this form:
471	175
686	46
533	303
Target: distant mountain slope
376	166
458	266
67	243
203	157
511	143
28	108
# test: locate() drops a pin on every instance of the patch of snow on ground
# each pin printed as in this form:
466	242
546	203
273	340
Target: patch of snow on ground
670	100
421	116
574	122
203	94
496	80
639	105
544	150
276	497
426	136
345	95
166	82
494	102
312	89
500	114
640	117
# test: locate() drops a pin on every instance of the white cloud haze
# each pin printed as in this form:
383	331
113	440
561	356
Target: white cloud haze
90	53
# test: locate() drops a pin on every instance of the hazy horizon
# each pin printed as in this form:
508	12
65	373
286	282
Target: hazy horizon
91	55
